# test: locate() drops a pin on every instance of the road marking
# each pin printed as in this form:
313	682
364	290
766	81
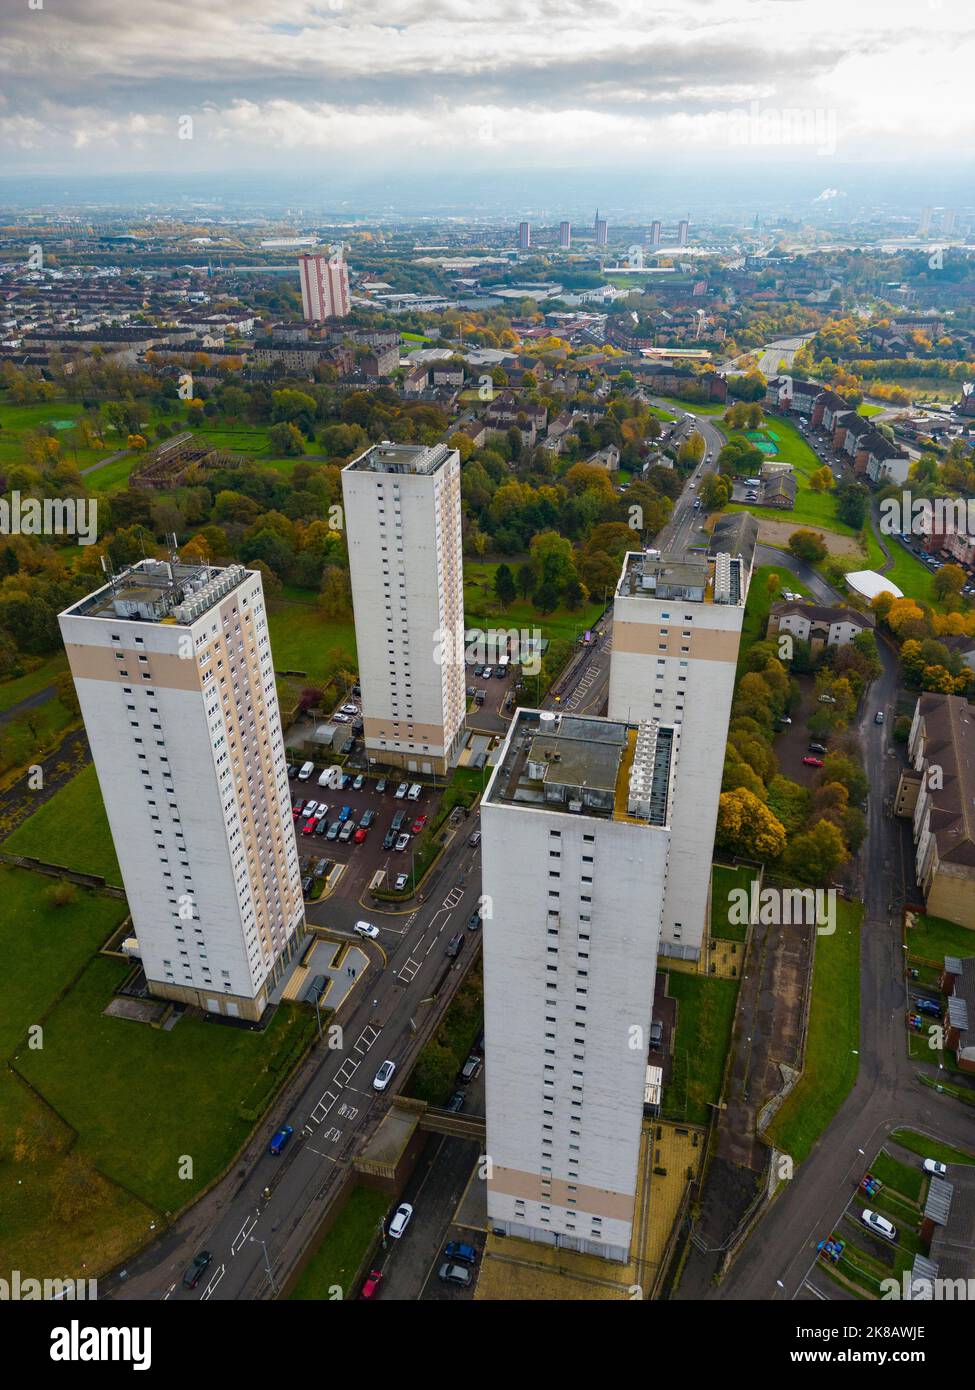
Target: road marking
213	1283
242	1234
324	1106
409	970
368	1036
453	897
346	1071
348	1112
332	1136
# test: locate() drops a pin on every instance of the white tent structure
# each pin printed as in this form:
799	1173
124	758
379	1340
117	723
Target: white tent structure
869	583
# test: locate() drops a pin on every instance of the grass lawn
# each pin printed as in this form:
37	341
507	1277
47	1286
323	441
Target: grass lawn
723	881
868	411
930	1148
13	691
832	1037
114	476
913	578
705	1013
932	938
301	638
44	948
159	1095
816	509
759	602
337	1260
71	829
481	608
695	407
893	1173
435	1075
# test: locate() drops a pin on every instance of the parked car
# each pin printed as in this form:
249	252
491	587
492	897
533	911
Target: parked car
418	824
454	945
389	839
370	1287
656	1033
360	835
458	1250
878	1224
321	826
479	670
401	790
306	771
381	786
350	709
280	1139
784	719
475	839
366	819
817	748
929	1007
474	921
344	814
400	882
811	761
470	1069
347	831
488	672
879	717
383	1076
939	1170
456	1102
357	784
402	842
366	929
401	1219
340	718
454	1274
196	1270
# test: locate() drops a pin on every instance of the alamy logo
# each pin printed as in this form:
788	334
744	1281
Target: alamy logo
50	516
21	1289
77	1343
921	516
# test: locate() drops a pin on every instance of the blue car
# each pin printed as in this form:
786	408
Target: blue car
280	1139
928	1006
344	814
457	1250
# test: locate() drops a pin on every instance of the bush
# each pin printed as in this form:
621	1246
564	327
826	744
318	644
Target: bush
61	894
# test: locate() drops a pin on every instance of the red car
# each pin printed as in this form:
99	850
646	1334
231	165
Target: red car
371	1287
309	826
812	762
359	835
418	824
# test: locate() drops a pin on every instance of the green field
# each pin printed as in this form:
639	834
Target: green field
723	881
705	1014
931	1148
71	830
337	1260
811	508
932	938
913	578
832	1038
481	608
13	691
301	638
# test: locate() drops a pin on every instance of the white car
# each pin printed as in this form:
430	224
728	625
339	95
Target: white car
878	1224
383	1076
341	718
401	1219
401	881
306	771
350	709
931	1165
401	790
366	929
310	809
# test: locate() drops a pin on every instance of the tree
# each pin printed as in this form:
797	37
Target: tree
286	439
747	827
814	856
504	586
808	545
948	581
525	578
822	479
335	599
68	696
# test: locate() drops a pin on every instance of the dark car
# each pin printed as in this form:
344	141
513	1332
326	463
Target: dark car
456	1102
474	921
817	748
457	1250
454	1274
470	1068
475	839
280	1139
322	827
389	839
366	819
307	884
928	1006
196	1270
454	945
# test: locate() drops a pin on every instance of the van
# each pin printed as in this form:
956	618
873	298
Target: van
306	771
414	792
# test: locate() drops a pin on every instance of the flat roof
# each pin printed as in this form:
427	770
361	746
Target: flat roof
587	766
388	457
869	583
682	575
156	591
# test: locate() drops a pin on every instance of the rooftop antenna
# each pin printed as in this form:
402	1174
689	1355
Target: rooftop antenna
173	548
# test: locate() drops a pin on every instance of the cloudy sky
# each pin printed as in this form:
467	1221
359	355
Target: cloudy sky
196	85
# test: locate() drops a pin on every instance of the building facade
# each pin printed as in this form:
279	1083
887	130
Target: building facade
565	235
575	838
676	628
172	665
324	287
403	523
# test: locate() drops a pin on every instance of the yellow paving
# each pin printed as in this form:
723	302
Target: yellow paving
522	1270
727	957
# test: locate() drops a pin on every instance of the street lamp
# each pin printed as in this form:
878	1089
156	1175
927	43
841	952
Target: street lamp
267	1266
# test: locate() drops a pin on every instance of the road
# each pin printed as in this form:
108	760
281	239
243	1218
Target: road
254	1239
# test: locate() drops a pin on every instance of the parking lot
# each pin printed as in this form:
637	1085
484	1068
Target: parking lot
355	857
491	699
